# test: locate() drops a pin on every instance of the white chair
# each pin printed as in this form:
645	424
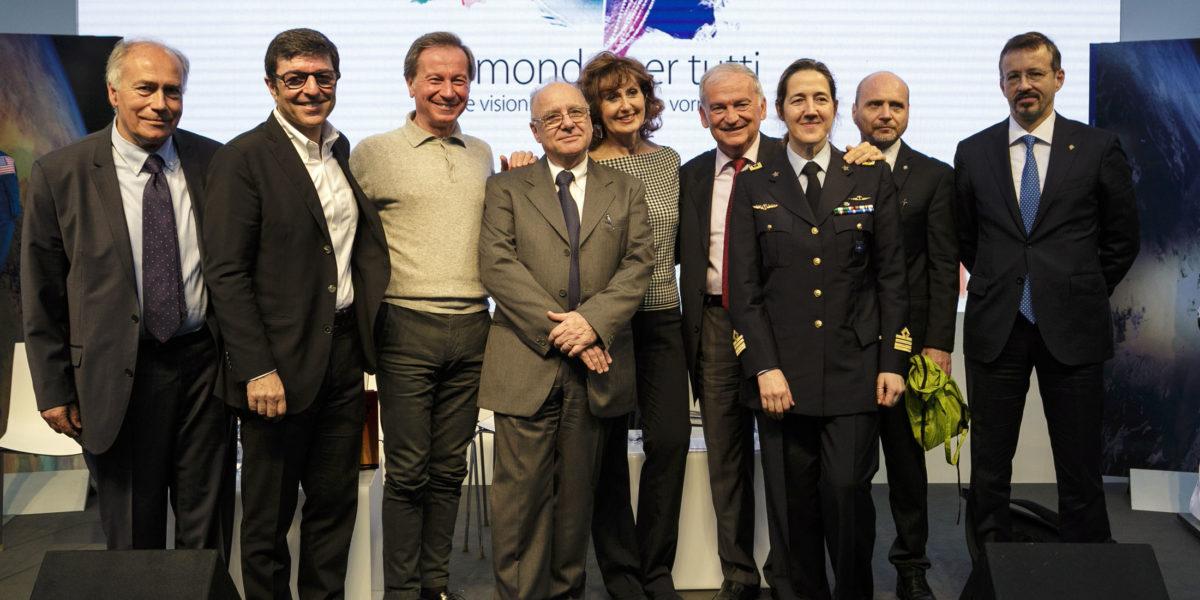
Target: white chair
27	433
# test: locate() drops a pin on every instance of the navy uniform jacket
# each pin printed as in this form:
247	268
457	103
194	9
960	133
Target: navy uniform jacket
822	297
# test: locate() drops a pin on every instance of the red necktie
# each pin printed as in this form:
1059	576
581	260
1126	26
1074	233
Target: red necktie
738	163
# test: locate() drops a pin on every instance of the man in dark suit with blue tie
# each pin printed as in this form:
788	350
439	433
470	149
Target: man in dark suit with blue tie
1048	226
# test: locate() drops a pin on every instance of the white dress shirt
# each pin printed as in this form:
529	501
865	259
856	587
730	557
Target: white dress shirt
1041	150
337	198
578	185
129	158
722	188
822	159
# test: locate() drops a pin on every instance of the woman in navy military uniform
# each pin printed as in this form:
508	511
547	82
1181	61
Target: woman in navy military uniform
819	304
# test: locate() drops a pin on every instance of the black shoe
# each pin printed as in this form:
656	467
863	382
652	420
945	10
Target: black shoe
440	595
732	590
911	585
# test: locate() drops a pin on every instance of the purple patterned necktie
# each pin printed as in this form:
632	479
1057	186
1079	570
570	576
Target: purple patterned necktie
162	286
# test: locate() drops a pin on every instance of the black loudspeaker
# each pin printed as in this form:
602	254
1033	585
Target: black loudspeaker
134	575
1053	571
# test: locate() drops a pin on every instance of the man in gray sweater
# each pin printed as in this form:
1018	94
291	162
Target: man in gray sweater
427	180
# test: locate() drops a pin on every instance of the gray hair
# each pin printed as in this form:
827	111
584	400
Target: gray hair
728	68
116	60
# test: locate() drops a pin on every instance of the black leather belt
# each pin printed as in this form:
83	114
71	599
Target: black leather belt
344	319
712	300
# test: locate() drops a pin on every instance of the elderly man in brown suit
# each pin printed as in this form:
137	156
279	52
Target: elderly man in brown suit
566	252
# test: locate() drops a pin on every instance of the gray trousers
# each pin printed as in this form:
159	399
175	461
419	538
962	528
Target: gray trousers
546	470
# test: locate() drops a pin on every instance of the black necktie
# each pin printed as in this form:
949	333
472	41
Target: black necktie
813	190
162	286
571	215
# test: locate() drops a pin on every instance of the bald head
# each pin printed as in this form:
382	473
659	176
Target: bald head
564	140
880	108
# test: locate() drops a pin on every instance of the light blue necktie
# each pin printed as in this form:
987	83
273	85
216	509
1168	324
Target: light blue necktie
1031	195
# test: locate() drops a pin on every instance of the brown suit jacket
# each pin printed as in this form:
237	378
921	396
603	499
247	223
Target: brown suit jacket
524	262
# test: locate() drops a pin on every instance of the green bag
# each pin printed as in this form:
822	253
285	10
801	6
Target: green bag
935	407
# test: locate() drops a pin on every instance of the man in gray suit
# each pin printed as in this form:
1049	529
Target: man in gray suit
121	349
565	251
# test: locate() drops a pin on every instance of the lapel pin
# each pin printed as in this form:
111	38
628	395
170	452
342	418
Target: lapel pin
774	173
1071	147
905	168
846	168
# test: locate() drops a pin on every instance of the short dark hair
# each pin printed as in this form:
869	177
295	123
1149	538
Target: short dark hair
803	64
1032	41
434	40
605	72
299	42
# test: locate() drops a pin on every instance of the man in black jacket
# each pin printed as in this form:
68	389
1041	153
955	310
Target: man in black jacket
925	192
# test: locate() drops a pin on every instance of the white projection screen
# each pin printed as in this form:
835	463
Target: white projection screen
947	51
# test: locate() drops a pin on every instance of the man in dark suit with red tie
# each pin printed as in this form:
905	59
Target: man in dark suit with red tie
297	267
121	346
732	106
925	192
1048	226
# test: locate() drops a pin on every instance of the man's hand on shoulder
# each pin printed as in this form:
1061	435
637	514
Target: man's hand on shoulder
573	334
64	419
517	159
265	396
857	155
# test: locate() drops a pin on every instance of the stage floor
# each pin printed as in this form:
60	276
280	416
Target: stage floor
27	537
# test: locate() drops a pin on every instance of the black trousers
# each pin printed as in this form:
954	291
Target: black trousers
318	449
428	377
636	558
907	487
175	445
1073	402
817	473
729	438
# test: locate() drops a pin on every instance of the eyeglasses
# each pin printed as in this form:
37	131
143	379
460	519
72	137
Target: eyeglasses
294	80
555	120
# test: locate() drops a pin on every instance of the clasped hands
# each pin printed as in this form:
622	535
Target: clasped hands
575	337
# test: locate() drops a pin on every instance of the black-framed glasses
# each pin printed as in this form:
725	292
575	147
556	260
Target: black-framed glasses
577	114
294	80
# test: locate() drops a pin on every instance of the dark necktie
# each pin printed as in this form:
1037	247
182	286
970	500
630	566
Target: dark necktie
571	215
813	190
738	164
162	286
1031	195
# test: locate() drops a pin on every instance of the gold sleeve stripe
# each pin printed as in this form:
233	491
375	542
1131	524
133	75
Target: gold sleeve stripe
739	343
904	341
